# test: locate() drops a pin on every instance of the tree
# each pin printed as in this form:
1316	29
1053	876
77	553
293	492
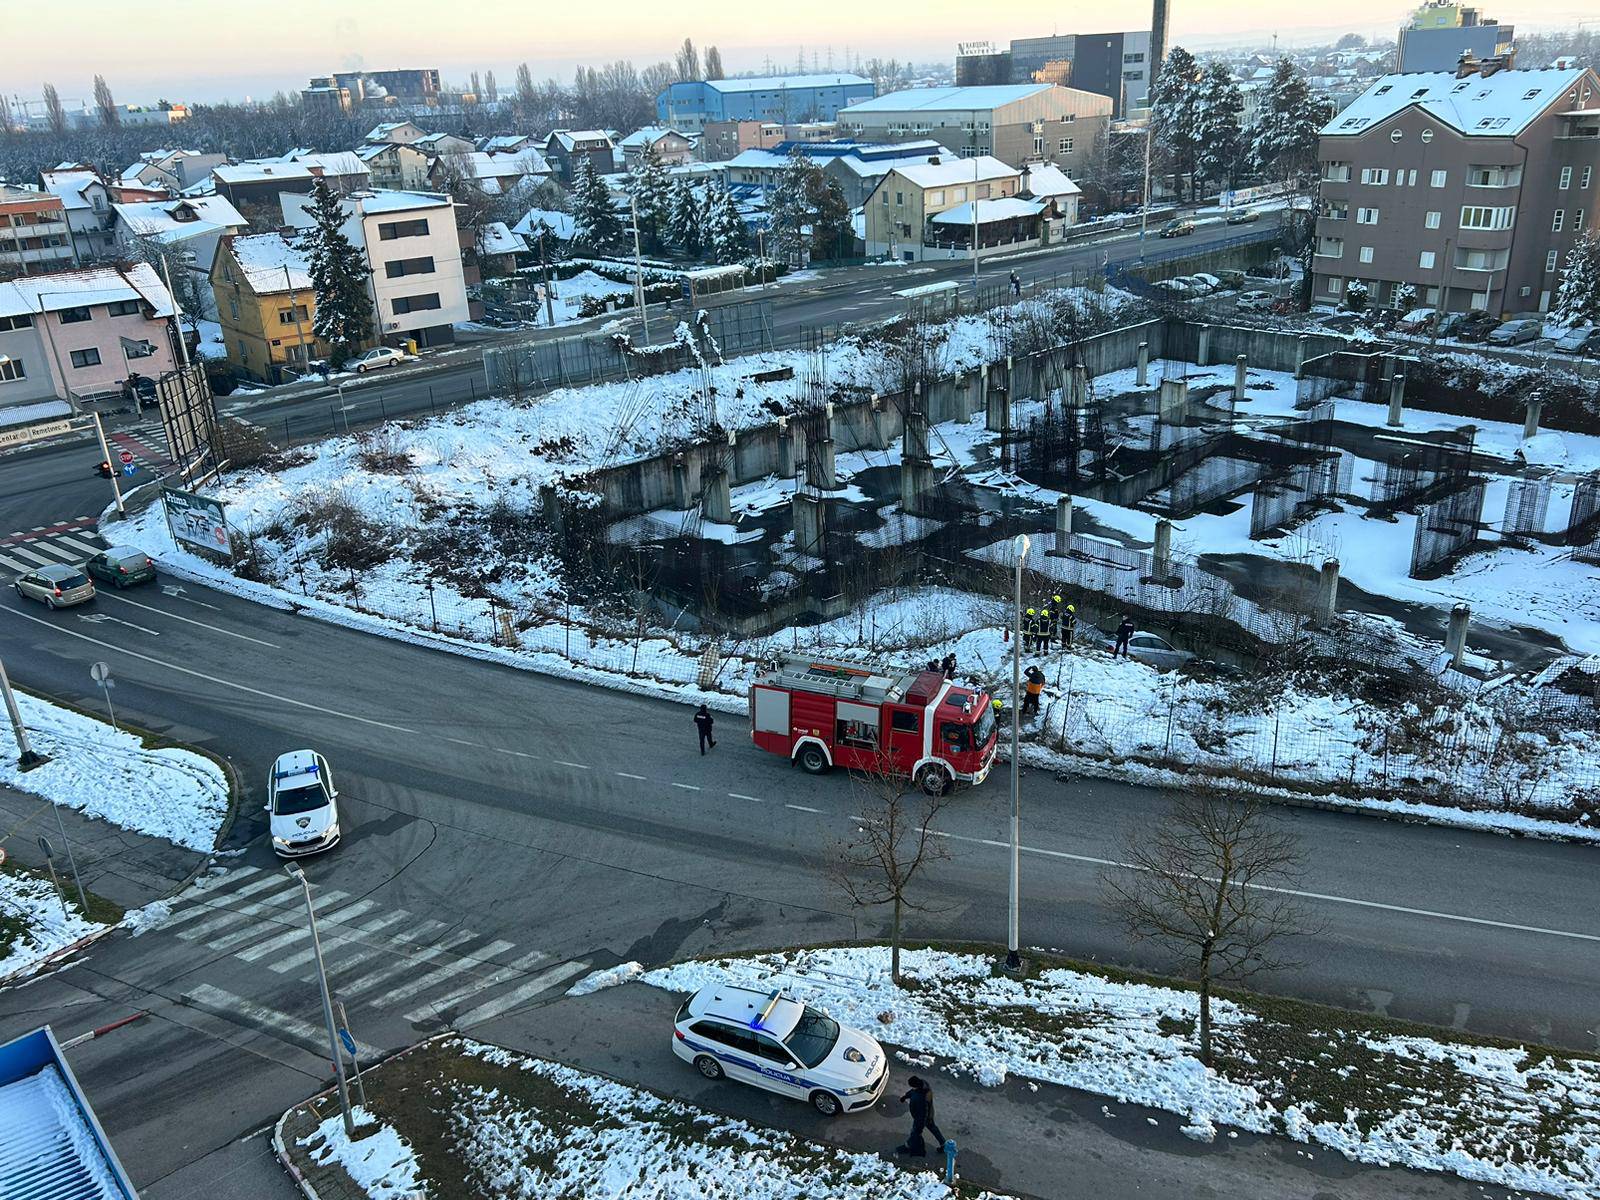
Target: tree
657	78
475	85
1405	298
830	219
1218	107
594	216
714	63
724	231
1355	296
791	206
688	62
1209	884
651	191
1174	115
684	219
144	245
54	113
893	843
527	98
1351	41
490	88
1283	141
104	104
1578	298
339	276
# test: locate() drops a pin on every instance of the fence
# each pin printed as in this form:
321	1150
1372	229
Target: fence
1527	506
1277	504
1583	526
1446	528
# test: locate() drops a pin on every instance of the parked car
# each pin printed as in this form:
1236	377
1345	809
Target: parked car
1256	299
1211	281
122	566
1174	287
772	1041
1448	324
1154	651
1515	333
1341	322
1416	321
1195	285
56	586
1243	216
1177	227
376	359
302	804
1580	341
1233	277
1475	327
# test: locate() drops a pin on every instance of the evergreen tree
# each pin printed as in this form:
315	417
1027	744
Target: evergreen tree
1283	141
725	235
1174	114
1217	112
791	206
339	278
831	235
651	191
594	216
684	219
1578	299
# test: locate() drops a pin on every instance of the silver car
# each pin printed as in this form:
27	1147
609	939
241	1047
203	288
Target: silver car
57	586
1153	651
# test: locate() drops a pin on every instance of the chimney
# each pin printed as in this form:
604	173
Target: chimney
1466	65
933	160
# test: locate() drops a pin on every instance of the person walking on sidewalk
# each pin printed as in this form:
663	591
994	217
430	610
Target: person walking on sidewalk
1016	285
919	1098
1124	636
1033	686
703	721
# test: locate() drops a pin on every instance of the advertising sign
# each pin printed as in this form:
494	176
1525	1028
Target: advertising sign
197	520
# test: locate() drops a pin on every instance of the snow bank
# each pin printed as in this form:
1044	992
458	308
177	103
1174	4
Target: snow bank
610	977
379	1160
34	905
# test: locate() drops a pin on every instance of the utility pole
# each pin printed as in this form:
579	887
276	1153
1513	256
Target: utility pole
975	157
25	753
177	309
1144	209
105	457
544	277
638	270
327	1003
1013	952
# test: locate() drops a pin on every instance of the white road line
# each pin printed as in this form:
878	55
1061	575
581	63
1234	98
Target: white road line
742	796
630	775
406	957
542	982
246	914
326	918
802	808
211	904
513	753
304	1034
1303	895
483	983
39	560
94	618
326	927
220	682
688	787
353	951
575	766
334	935
12	564
449	970
186	620
81	547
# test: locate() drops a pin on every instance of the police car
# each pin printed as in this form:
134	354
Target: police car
302	805
775	1042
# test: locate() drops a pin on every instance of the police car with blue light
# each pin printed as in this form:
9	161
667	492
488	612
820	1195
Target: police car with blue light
772	1041
302	805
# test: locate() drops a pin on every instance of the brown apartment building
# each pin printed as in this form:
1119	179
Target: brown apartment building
1468	185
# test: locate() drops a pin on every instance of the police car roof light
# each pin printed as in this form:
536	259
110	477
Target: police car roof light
293	771
766	1011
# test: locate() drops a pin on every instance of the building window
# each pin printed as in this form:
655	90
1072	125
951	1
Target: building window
886	198
1493	176
391	230
1366	254
1065	146
395	268
1588	174
1473	217
71	316
1426	259
123	308
1550	260
1438	178
1377	176
1335	210
293	316
1558	220
20	321
86	358
1330	247
411	304
1566	178
1366	216
1038	144
233	308
1335	172
11	370
899	199
983	191
935	199
1133	58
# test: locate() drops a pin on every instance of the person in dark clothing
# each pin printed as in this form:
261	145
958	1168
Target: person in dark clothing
1033	685
1016	284
1124	634
703	721
919	1098
949	666
934	665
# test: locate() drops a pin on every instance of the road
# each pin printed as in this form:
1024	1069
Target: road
508	831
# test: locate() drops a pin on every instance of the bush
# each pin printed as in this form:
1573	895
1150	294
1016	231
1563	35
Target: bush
350	539
379	453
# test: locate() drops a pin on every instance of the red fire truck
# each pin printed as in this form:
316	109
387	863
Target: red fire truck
825	714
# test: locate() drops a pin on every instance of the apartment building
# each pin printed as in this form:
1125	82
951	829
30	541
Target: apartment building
86	200
1469	185
1441	31
670	146
1019	123
266	306
395	165
34	234
902	211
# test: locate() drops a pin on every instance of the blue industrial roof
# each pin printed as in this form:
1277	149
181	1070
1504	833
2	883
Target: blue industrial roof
959	99
773	83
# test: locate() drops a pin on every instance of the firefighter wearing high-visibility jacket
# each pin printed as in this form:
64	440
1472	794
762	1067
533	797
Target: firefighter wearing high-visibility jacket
1047	629
1030	630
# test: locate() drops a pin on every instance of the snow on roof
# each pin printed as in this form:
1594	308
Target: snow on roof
338	162
175	220
758	158
481	165
871	166
560	224
48	1147
384	200
90	286
265	257
948	99
67	183
1001	209
1047	180
955	171
1501	105
503	142
381	131
775	83
497	238
648	136
259	172
571	137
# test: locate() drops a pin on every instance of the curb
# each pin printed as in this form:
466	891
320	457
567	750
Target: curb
38	966
282	1151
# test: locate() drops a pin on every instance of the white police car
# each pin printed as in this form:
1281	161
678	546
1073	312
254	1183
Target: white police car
302	805
775	1042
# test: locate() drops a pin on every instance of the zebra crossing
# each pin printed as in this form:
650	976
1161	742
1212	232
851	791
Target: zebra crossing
72	542
392	960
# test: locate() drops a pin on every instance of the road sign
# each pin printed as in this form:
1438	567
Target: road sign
100	672
349	1042
127	469
44	844
126	456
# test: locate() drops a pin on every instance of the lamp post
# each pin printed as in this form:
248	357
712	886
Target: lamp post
1144	208
299	876
638	271
1013	955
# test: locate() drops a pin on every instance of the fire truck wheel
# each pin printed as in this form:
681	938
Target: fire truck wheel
934	780
813	760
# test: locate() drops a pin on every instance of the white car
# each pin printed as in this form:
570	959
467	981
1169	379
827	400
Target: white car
302	804
775	1042
376	359
1211	282
1256	299
1176	287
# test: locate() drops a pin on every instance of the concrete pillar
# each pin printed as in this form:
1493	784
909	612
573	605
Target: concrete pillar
810	522
685	480
1327	590
1241	370
1397	400
1174	399
550	506
1080	385
716	501
997	408
1203	350
1300	355
788	458
914	442
916	482
1162	553
1455	638
1063	524
1144	364
1530	421
819	465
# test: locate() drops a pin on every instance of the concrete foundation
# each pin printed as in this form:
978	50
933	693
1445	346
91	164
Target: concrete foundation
791	447
1203	349
1455	638
1079	385
1063	524
997	408
1530	420
1144	364
1327	590
916	485
1241	373
914	442
716	501
685	480
1301	354
1397	401
1162	552
810	522
1174	398
820	467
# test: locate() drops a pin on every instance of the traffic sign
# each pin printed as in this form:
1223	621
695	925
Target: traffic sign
126	456
100	672
44	844
349	1042
128	469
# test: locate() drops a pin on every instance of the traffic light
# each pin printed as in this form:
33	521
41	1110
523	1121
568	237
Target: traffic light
104	469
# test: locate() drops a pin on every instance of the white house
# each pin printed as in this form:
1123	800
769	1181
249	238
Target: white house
191	225
87	202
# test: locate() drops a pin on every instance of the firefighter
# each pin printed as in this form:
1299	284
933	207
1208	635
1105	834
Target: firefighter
1124	635
948	666
1030	630
1047	629
1069	626
1032	689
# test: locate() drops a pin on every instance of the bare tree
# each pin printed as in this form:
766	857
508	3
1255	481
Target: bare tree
104	104
893	842
527	96
53	110
714	63
1208	885
490	88
687	62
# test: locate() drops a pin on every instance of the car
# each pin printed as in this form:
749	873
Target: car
1256	299
1342	322
1194	285
1448	324
1233	277
1516	332
1153	651
1173	287
302	805
1415	321
1177	227
376	359
1475	327
1579	341
1244	216
1211	281
773	1041
122	566
56	586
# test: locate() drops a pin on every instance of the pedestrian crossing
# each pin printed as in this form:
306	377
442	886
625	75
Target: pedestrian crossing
381	961
147	445
72	542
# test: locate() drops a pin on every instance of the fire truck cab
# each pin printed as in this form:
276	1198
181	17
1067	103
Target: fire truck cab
825	714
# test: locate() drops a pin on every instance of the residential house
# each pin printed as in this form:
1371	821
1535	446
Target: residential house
722	140
1018	123
81	333
548	228
395	133
1049	185
856	166
86	200
395	165
266	306
902	211
567	149
34	233
691	105
497	249
191	226
1469	186
414	251
670	146
254	186
494	174
174	170
436	145
508	143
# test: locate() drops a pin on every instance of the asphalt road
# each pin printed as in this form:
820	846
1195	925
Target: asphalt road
507	831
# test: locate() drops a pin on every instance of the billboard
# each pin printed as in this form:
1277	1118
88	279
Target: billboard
197	521
189	418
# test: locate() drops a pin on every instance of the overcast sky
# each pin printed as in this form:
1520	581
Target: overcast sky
215	49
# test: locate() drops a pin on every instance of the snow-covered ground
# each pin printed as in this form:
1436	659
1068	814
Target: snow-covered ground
1499	1115
211	344
379	1160
106	773
33	925
570	294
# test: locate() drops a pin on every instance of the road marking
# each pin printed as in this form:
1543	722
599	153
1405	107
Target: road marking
313	1038
688	787
38	559
81	547
627	775
325	919
448	971
477	984
561	762
12	564
514	753
336	937
186	620
742	796
802	808
98	617
244	914
406	957
177	593
220	682
539	983
201	907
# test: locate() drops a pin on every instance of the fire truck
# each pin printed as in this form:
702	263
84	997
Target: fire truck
825	714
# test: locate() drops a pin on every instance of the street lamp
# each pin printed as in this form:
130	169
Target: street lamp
299	876
1013	956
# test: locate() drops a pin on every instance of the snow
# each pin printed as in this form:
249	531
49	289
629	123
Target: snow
379	1161
962	100
560	224
158	219
26	414
1135	1042
272	264
1003	209
610	977
88	287
45	928
211	345
955	172
48	1148
1503	99
108	774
